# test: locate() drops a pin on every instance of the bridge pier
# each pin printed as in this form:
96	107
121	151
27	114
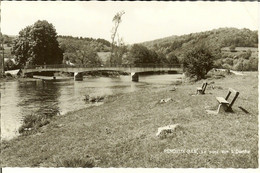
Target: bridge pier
78	76
135	77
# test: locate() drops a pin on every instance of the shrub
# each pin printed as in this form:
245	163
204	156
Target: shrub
218	63
9	65
83	162
33	121
239	65
218	74
245	55
232	48
197	62
229	61
246	65
253	63
8	75
172	58
248	53
226	66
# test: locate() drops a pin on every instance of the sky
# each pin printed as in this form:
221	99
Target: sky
142	21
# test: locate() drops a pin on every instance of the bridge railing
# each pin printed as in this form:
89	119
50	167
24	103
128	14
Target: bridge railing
146	65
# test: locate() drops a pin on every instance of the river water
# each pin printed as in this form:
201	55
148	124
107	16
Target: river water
19	98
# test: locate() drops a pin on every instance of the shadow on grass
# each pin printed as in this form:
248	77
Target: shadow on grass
244	110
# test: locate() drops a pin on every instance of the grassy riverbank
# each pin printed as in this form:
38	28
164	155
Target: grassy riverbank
121	132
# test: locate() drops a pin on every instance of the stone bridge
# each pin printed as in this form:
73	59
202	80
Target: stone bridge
79	69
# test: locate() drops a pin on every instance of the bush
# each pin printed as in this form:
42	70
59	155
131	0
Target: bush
198	62
218	74
248	54
33	121
239	65
253	63
9	65
8	75
218	63
245	55
83	162
172	58
232	48
229	61
227	66
246	65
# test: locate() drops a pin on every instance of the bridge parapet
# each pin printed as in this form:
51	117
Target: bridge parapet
137	68
148	65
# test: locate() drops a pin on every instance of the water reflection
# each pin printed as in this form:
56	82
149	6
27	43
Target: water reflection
19	98
10	110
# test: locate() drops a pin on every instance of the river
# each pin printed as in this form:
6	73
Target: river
19	98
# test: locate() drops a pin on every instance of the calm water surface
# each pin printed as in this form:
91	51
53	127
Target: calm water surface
19	98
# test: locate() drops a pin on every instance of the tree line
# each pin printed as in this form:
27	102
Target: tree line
39	44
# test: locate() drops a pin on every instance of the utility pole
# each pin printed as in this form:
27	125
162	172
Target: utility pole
2	40
3	59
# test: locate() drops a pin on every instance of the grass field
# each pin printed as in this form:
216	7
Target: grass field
239	51
121	132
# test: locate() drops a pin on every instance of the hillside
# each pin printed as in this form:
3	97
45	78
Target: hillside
244	57
81	50
222	37
245	42
69	42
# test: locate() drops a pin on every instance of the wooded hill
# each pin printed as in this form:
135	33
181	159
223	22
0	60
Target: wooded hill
100	45
217	39
242	56
77	50
244	42
80	50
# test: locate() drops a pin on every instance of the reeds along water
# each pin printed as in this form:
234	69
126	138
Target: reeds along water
94	98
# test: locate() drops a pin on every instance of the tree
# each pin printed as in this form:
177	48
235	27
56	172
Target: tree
172	58
117	20
248	54
226	66
159	57
119	52
9	65
37	44
232	48
87	56
253	63
239	65
198	62
218	63
228	61
2	54
139	54
21	47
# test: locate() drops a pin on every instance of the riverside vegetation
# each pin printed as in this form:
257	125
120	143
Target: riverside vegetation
170	50
122	131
